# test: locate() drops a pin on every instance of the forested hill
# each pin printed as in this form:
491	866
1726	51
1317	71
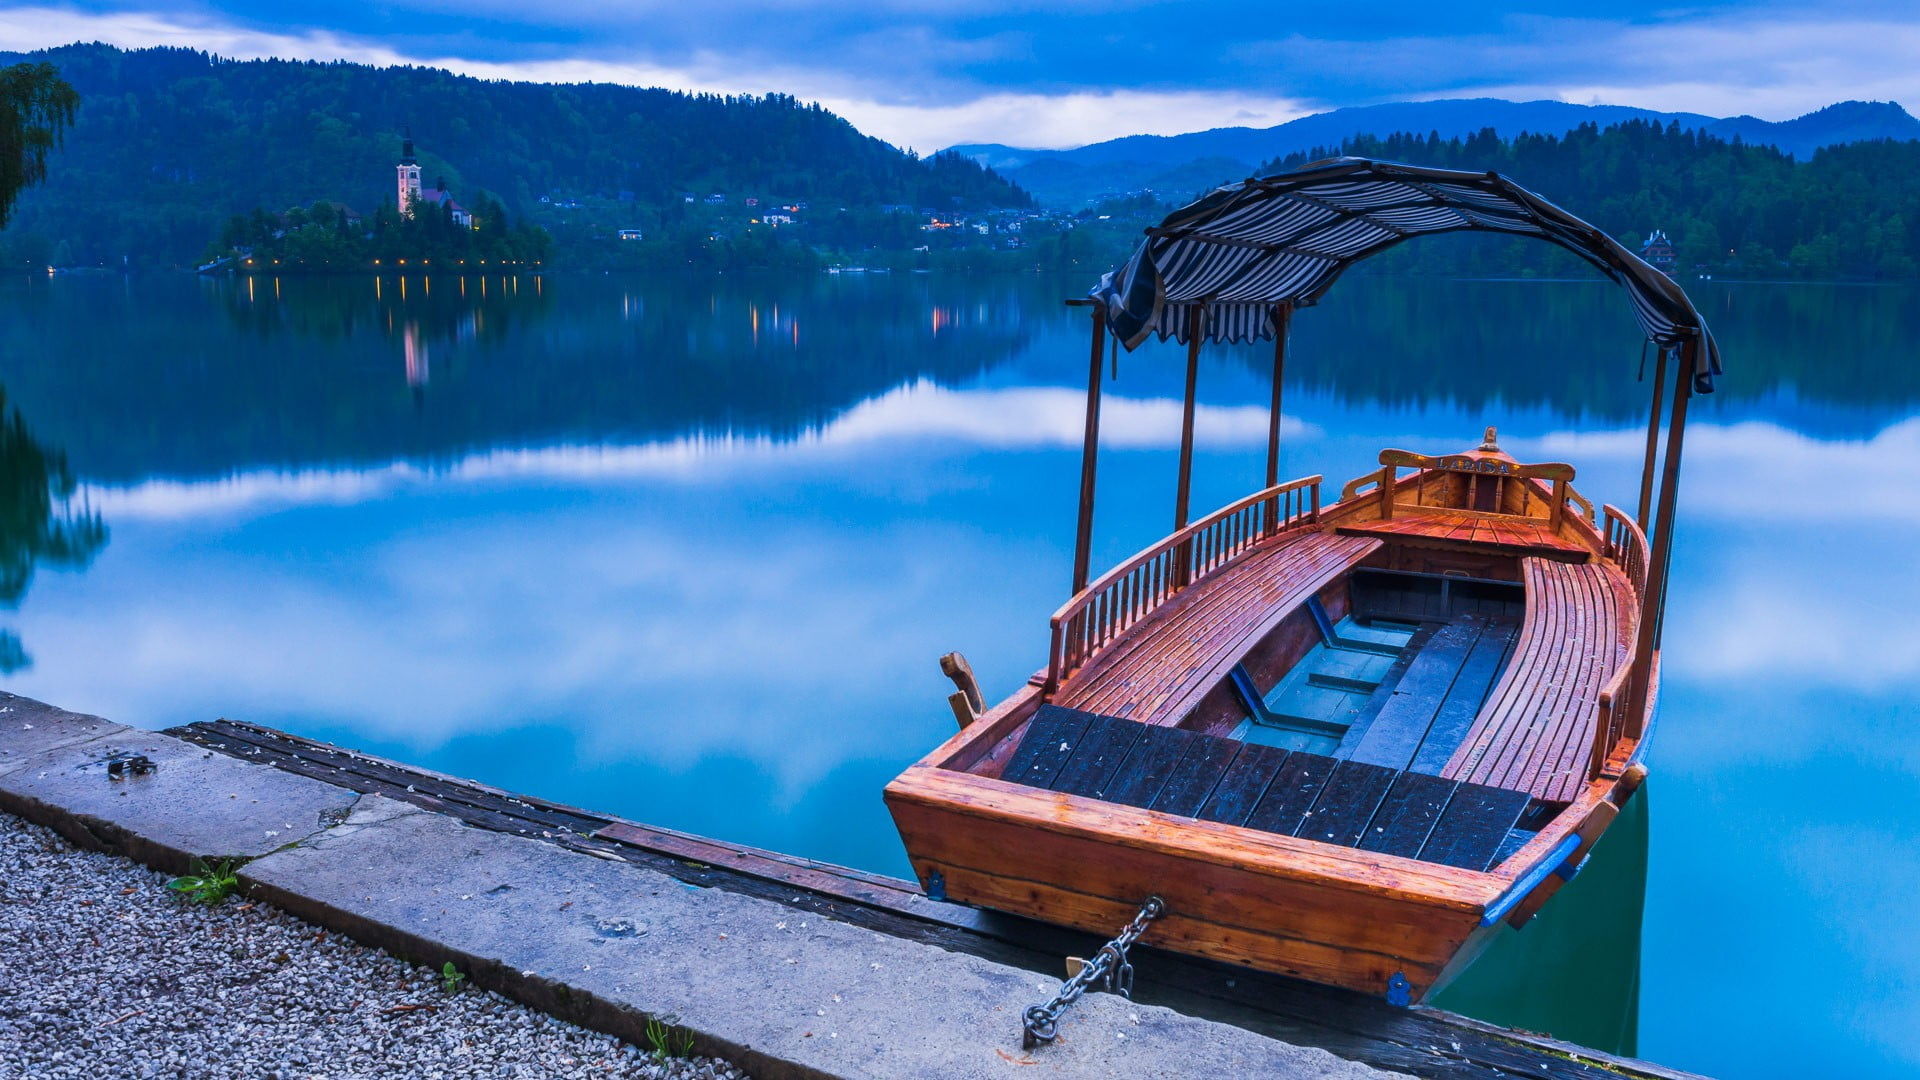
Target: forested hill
1850	211
169	143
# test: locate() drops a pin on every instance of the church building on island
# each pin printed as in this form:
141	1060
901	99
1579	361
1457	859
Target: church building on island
410	196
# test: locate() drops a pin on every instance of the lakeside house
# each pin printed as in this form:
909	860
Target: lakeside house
1658	251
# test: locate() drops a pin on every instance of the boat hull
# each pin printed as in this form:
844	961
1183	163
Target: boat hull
1243	899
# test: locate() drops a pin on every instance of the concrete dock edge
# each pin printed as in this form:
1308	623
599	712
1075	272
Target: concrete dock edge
602	943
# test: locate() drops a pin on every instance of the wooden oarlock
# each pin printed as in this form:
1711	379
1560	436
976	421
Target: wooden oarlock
967	702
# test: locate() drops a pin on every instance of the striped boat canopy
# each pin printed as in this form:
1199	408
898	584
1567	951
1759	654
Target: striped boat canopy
1241	250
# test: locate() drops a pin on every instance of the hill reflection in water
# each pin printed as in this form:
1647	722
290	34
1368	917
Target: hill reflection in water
686	551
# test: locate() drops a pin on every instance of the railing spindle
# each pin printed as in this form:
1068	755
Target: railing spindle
1137	588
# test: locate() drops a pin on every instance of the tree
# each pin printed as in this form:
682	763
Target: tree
36	105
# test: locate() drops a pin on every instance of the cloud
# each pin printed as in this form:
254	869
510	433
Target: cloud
931	74
919	413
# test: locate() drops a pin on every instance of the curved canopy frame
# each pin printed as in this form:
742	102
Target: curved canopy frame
1242	251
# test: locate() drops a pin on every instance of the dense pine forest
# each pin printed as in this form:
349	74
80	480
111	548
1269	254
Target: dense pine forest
168	144
1850	211
175	156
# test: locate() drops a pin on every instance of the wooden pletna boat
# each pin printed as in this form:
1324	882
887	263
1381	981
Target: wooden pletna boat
1341	739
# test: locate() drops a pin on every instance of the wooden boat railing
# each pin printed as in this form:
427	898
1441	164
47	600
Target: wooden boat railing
1136	588
1626	546
1386	478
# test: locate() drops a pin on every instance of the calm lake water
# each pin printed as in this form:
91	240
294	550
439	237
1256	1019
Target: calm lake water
687	551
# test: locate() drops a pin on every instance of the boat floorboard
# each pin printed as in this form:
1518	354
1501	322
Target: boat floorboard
1422	717
1309	796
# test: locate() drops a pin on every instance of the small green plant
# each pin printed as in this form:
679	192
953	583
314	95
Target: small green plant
667	1040
207	884
451	977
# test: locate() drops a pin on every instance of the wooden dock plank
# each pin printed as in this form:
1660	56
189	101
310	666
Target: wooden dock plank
1473	826
1407	815
1346	804
1051	737
1101	749
1244	782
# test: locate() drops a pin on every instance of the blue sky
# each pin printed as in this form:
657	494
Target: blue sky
930	73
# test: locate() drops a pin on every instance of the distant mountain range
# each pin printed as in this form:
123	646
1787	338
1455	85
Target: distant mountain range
1183	165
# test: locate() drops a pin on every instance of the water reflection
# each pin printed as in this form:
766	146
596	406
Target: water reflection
41	523
686	550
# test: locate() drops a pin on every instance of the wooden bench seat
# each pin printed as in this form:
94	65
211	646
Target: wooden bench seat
1508	535
1160	669
1536	729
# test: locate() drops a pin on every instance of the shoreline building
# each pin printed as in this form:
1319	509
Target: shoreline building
1658	252
409	178
410	195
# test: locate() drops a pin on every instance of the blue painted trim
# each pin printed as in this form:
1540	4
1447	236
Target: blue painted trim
1399	990
1319	612
1249	694
1531	879
1567	872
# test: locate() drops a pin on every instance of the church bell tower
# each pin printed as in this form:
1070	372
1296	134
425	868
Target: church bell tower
409	177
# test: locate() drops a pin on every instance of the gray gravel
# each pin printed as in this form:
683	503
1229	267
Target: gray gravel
104	972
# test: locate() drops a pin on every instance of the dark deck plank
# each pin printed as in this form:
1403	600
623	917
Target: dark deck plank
1400	726
1193	779
1346	804
1467	697
1098	756
1407	815
1292	793
1245	781
1473	826
1051	737
1149	765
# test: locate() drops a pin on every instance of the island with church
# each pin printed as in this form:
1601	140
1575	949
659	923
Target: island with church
419	227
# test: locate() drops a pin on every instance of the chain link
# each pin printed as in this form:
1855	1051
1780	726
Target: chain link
1110	966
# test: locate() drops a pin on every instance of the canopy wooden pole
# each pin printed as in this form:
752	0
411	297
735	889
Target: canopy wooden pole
1196	330
1653	603
1089	455
1653	438
1282	322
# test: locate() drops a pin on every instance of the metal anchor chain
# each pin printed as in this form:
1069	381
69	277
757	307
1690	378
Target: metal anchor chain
1110	966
